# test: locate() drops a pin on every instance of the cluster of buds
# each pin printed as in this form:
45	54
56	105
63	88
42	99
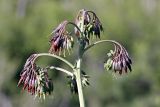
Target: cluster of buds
89	23
61	40
43	85
73	84
28	75
119	60
35	79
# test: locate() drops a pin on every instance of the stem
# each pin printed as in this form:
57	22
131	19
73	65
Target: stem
101	41
81	33
58	57
78	68
75	26
79	83
61	69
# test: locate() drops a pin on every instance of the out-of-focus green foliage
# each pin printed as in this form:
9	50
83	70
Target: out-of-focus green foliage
25	26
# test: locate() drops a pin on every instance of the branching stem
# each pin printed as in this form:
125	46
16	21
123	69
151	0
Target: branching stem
58	57
62	70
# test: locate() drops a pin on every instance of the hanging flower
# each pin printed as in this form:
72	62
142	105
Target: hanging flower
44	85
119	60
35	79
28	75
91	24
61	40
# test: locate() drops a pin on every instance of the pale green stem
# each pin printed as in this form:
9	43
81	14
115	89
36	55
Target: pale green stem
78	68
79	83
62	70
101	41
58	57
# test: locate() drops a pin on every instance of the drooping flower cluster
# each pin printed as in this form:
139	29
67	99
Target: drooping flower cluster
44	85
119	60
28	75
61	40
35	79
91	24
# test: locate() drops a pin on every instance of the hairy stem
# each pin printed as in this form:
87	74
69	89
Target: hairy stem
62	70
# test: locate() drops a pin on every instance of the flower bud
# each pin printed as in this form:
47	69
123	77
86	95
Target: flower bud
61	40
119	60
91	24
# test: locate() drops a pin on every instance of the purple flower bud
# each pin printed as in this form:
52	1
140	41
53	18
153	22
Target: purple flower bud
60	38
28	73
91	24
121	60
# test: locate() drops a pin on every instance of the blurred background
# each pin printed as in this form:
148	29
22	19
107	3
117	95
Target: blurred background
25	26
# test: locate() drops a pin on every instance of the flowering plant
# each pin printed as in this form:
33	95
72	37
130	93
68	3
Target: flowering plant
87	25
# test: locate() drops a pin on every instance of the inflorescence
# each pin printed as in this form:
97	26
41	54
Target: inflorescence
87	26
61	40
119	60
35	79
92	27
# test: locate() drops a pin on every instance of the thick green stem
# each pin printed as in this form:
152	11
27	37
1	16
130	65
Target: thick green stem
79	83
78	67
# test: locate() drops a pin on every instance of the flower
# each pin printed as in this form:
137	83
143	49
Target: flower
61	40
44	85
119	60
28	75
35	79
92	24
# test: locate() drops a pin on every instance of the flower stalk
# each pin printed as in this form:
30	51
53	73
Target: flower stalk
62	70
58	57
79	83
101	41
